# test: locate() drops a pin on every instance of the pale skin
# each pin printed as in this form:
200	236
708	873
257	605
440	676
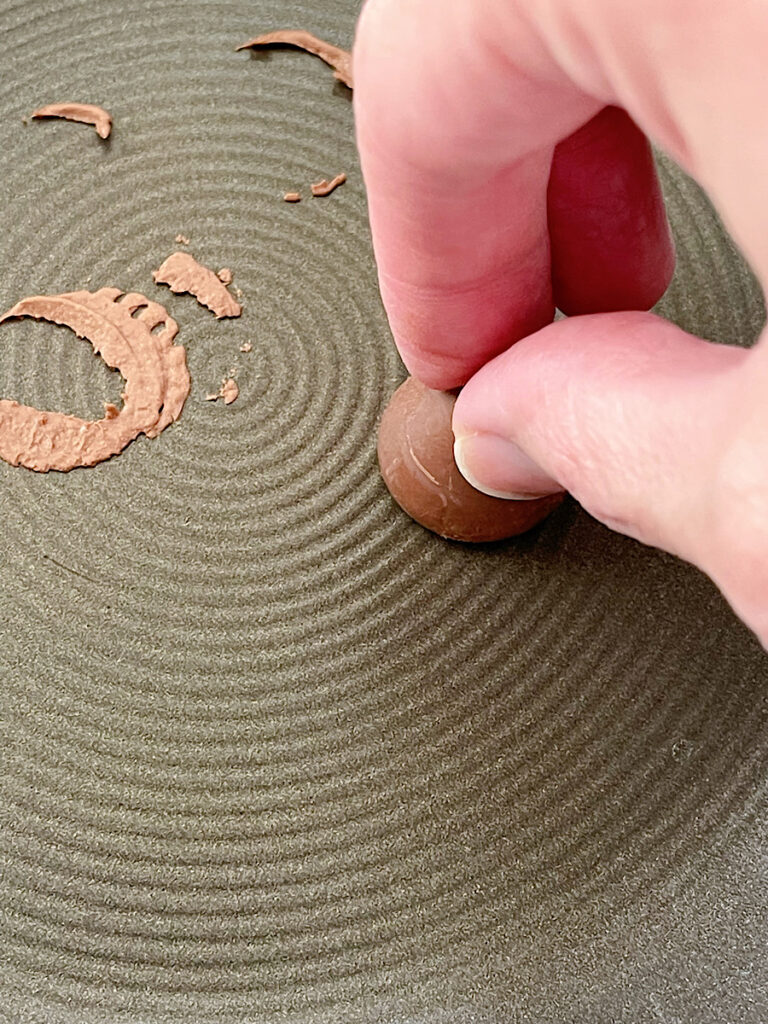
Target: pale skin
479	233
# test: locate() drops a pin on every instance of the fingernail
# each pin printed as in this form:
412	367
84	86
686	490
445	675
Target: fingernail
499	468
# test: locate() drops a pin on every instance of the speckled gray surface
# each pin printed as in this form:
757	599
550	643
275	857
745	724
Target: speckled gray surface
269	751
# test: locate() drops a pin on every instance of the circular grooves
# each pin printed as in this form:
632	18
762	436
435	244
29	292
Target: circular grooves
270	749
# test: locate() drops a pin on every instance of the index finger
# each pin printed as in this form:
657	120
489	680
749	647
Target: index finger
459	108
456	143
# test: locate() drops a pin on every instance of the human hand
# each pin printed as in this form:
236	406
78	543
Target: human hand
459	107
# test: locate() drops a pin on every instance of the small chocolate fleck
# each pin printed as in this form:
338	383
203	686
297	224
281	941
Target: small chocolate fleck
325	187
229	391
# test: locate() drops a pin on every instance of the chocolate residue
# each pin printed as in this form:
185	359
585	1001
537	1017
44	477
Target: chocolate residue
86	113
182	273
340	60
155	371
416	459
230	392
292	197
225	275
325	187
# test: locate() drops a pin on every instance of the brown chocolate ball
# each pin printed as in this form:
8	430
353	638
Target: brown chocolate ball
416	460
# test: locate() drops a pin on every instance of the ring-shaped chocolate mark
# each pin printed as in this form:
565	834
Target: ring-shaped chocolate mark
157	381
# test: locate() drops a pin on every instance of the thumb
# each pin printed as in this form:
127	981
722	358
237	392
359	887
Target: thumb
624	410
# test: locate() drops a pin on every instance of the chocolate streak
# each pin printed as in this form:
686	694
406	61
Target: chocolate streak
155	371
340	60
182	273
86	113
325	187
